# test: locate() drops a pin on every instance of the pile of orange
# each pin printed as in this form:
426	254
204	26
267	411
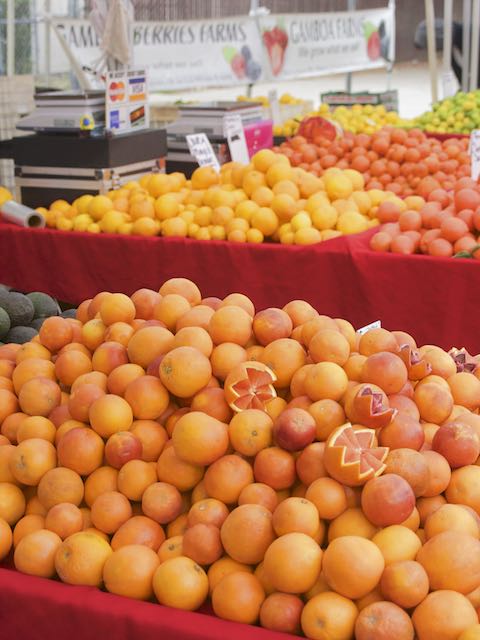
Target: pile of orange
406	162
447	224
296	473
266	200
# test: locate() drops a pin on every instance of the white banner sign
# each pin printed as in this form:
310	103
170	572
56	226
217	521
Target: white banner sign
181	55
242	50
310	44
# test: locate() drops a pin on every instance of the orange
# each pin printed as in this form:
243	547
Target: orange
230	323
472	633
162	502
38	396
109	355
60	485
329	615
139	530
145	301
326	380
296	515
238	597
183	475
82	398
183	287
452	561
383	620
100	481
250	431
55	333
64	519
443	615
184	371
110	510
397	543
180	583
35	553
152	436
148	343
293	562
328	496
70	365
281	612
211	400
27	524
171	548
147	397
110	414
274	466
223	567
129	571
36	427
451	517
201	543
226	477
259	493
284	357
170	308
117	307
352	566
247	532
80	559
32	459
134	477
32	368
6	538
80	449
405	583
199	439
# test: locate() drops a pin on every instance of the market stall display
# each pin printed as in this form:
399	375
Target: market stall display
266	200
287	448
22	315
404	162
446	225
456	114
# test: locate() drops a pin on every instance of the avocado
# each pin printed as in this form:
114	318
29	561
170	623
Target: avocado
4	323
19	308
44	304
20	334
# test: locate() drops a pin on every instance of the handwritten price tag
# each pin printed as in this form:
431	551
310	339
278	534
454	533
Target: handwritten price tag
373	325
449	84
475	153
274	106
201	149
233	131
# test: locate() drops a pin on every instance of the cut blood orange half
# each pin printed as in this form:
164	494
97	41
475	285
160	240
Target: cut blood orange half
368	405
417	366
316	126
463	360
352	457
249	385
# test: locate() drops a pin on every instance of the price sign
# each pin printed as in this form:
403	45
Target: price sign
274	106
475	153
201	149
449	84
233	131
373	325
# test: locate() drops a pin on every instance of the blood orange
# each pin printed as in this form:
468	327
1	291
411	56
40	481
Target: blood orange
249	385
351	457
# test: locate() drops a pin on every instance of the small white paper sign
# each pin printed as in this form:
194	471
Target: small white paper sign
449	84
235	134
474	151
201	149
373	325
274	106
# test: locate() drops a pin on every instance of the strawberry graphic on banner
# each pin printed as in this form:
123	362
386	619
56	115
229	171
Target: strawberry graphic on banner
276	43
372	37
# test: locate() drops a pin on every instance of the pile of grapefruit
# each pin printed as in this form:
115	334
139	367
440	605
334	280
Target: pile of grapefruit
447	224
298	474
397	160
266	200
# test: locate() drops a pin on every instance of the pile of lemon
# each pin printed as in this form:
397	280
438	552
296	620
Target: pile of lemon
457	114
266	200
357	119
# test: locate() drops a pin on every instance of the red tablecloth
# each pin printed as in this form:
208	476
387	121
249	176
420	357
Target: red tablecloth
35	608
434	299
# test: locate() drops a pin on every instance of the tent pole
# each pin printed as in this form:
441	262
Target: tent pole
474	45
467	6
432	53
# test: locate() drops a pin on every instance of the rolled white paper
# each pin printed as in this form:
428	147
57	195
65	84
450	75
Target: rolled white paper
20	214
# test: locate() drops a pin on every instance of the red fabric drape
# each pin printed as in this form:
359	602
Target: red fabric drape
434	299
40	609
